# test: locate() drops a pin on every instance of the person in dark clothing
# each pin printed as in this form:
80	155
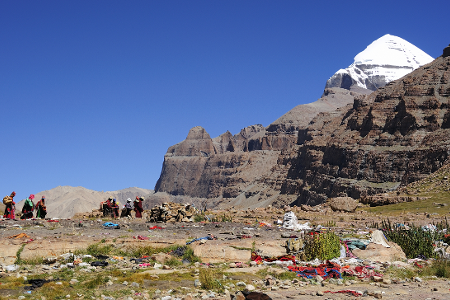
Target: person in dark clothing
28	208
106	207
41	209
115	209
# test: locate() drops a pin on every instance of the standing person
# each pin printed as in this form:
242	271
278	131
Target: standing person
41	209
127	208
106	207
10	206
138	206
115	209
28	208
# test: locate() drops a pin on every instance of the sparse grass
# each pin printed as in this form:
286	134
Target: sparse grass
439	268
173	262
37	260
97	281
262	273
199	218
241	248
10	282
421	206
222	218
401	273
51	290
18	259
209	279
98	249
285	275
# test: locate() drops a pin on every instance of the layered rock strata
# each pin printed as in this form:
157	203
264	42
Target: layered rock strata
245	166
396	135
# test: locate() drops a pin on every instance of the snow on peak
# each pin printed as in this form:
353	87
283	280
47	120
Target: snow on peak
385	59
391	50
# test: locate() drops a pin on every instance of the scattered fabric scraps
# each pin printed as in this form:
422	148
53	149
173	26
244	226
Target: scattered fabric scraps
144	265
208	237
179	251
18	236
241	265
140	237
139	260
356	243
99	263
155	227
53	221
326	270
118	257
111	225
35	283
245	236
360	272
259	260
102	257
350	292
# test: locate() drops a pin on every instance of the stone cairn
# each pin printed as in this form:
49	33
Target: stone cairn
171	212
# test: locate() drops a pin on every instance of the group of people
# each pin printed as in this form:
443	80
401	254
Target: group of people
27	210
110	207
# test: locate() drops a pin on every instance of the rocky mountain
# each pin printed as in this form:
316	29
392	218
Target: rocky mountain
395	136
386	59
344	144
230	166
66	201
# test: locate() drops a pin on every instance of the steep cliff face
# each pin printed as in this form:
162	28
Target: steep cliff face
210	168
395	136
244	166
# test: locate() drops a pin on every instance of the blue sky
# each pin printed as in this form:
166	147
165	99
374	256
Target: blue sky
93	93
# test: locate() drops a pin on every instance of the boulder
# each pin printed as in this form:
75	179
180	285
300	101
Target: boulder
345	204
377	252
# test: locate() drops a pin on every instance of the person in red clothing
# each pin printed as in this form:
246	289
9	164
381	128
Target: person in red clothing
10	207
115	209
106	207
138	206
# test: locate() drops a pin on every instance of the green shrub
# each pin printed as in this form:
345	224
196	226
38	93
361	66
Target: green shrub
414	242
209	279
323	246
439	268
199	218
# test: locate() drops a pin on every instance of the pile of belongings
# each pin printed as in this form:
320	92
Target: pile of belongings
290	221
326	270
172	212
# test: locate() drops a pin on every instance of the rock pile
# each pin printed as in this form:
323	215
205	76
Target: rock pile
171	212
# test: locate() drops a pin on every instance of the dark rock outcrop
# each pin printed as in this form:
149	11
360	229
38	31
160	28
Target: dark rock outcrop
446	51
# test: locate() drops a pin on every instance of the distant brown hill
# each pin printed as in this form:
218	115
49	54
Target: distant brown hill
66	201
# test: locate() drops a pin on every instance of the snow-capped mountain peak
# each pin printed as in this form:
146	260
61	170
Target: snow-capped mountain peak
387	58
